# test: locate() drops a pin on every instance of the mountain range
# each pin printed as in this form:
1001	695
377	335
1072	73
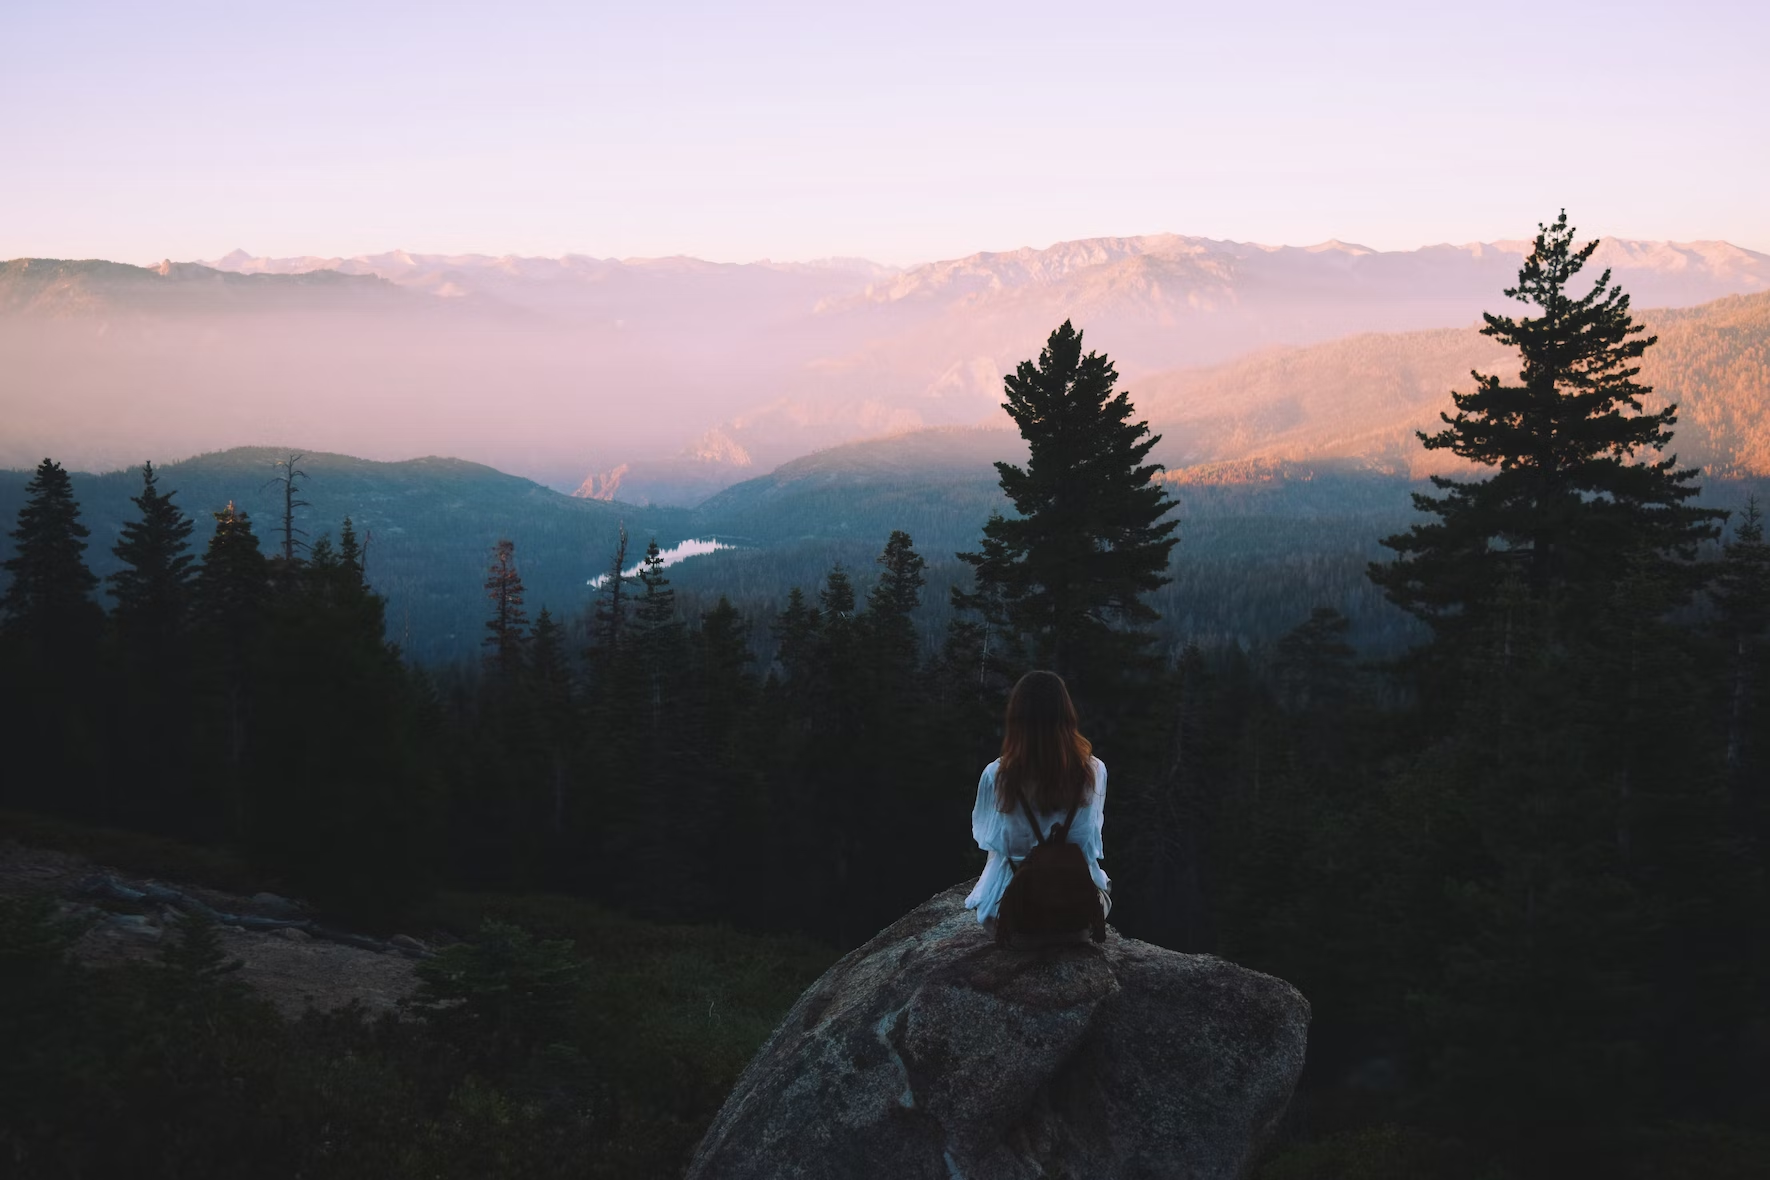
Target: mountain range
665	380
1287	466
1353	406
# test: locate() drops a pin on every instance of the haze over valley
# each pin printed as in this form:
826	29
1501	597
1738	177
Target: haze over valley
664	380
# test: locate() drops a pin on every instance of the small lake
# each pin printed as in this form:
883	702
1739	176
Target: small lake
672	555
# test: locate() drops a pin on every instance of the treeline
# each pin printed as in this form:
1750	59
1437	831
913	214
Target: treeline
428	524
246	698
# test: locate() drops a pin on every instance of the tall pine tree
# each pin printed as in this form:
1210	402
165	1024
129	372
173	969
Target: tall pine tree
229	601
610	616
353	555
232	585
554	707
153	591
725	682
891	645
658	640
1574	814
50	595
338	784
153	586
1089	539
656	608
795	633
49	634
508	618
1577	487
898	591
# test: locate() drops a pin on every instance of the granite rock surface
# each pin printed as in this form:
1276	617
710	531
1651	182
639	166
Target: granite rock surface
931	1052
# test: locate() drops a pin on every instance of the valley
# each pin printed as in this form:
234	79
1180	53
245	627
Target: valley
665	380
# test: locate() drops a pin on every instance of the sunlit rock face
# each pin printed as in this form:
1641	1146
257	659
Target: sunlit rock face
931	1052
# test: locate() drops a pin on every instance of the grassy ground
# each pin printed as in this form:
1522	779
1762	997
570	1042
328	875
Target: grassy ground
676	1011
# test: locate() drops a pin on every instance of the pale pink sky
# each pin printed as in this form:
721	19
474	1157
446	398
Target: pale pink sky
900	132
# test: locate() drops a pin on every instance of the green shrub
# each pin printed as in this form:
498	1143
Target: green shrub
501	995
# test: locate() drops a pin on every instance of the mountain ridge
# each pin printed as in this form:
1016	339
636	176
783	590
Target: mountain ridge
428	524
691	375
1058	258
1353	405
61	287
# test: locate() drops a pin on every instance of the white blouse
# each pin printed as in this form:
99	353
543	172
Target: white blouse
1009	837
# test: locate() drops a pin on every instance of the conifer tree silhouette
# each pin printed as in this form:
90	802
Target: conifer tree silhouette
1576	488
50	594
504	589
153	587
1089	539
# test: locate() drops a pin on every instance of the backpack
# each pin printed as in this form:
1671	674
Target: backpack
1052	896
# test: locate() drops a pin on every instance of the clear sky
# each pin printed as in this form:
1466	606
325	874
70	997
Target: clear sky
897	131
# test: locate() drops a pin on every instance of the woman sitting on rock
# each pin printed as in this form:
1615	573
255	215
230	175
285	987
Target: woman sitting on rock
1047	775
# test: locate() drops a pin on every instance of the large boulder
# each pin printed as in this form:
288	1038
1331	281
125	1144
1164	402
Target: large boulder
931	1052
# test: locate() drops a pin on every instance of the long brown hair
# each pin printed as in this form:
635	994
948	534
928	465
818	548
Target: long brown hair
1043	755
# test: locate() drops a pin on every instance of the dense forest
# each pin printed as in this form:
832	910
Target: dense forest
1519	869
428	524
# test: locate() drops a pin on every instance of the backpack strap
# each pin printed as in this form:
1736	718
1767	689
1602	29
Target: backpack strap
1038	836
1068	821
1031	819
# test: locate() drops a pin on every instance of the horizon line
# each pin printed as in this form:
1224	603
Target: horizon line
838	261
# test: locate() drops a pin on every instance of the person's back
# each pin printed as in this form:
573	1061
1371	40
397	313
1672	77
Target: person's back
1046	773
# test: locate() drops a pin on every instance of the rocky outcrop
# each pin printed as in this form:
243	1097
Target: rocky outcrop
931	1052
289	957
263	913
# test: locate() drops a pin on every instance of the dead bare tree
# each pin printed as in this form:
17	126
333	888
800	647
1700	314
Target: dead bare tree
291	501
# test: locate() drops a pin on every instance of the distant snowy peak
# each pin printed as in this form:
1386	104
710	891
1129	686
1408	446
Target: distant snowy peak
1157	271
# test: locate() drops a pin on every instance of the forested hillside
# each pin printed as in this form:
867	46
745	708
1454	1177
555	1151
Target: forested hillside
1360	400
1253	558
1714	362
428	525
